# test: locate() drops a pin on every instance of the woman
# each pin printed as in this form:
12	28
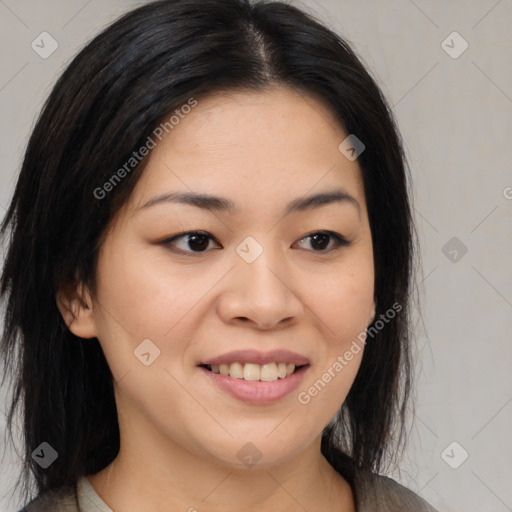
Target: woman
266	368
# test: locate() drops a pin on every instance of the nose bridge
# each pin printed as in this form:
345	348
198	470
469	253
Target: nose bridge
260	264
265	293
259	289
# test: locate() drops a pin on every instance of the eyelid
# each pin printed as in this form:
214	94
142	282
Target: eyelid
168	241
339	239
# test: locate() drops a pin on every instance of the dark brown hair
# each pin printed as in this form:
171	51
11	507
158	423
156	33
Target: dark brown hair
103	107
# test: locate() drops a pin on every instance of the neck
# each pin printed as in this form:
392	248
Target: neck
145	477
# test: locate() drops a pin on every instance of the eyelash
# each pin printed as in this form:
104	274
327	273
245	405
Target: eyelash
339	240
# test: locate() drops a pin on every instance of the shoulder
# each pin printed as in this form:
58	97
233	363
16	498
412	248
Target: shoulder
383	494
62	499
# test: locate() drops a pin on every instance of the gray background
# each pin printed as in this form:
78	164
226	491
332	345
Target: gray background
455	115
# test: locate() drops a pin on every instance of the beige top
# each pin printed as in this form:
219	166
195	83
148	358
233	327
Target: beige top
88	499
373	493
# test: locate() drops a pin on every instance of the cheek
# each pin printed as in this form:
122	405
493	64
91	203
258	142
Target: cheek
143	295
344	299
136	303
344	307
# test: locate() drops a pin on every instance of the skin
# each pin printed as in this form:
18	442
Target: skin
180	434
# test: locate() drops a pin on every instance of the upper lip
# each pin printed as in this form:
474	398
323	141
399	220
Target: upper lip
254	356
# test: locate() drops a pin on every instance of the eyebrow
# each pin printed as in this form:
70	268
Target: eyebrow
222	204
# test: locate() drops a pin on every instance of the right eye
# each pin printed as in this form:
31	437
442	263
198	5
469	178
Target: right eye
196	240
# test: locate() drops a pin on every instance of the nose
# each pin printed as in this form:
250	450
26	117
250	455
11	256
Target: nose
262	293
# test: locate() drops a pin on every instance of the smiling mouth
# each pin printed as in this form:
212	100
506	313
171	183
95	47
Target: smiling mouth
255	372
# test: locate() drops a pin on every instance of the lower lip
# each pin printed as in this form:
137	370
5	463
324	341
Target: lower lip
257	392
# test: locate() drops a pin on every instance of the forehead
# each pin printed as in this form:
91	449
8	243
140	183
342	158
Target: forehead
258	148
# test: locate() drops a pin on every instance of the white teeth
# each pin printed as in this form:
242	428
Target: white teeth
253	372
269	372
236	371
281	370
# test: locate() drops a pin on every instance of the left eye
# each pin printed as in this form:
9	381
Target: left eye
319	238
198	241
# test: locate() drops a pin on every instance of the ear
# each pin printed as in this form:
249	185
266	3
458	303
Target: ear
372	313
75	306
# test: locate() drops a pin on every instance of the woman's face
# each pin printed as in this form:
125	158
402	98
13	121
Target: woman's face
257	280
